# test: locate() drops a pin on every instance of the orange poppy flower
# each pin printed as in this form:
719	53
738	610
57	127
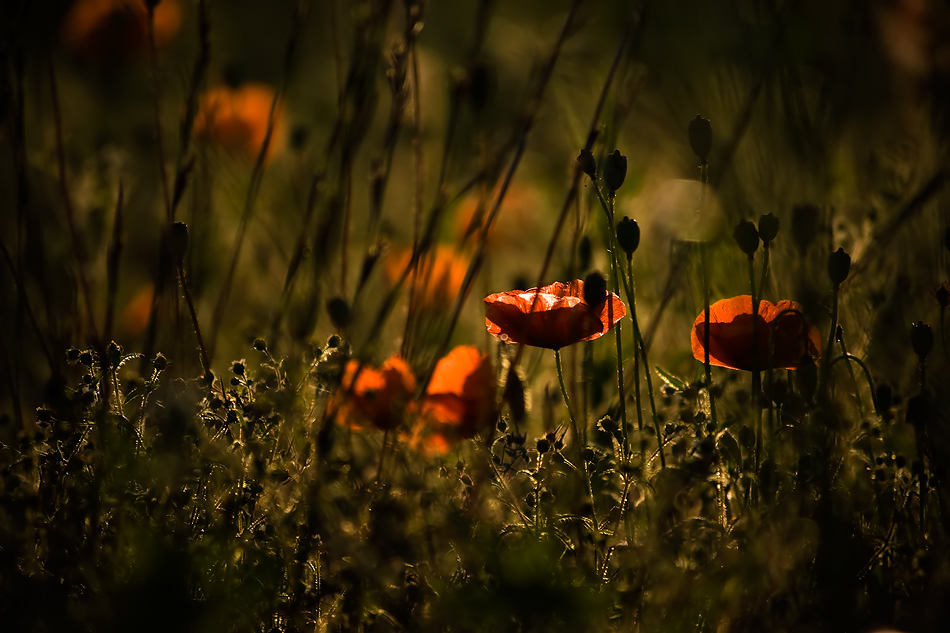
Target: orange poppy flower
106	30
730	335
236	119
440	275
459	402
517	216
379	397
561	316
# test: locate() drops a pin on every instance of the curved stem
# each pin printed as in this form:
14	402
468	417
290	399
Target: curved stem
867	376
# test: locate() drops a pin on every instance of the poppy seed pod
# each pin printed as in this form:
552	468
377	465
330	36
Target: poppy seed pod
768	228
615	170
921	339
587	163
746	237
839	263
628	235
700	137
595	290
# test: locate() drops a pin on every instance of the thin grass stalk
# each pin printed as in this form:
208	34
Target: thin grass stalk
112	266
157	109
24	301
257	174
78	250
522	137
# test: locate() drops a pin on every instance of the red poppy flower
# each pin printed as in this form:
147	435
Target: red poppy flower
379	397
730	335
109	30
561	316
236	119
459	402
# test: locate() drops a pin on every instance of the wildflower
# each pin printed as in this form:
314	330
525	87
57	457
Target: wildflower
236	119
459	401
440	275
730	335
108	30
379	397
553	316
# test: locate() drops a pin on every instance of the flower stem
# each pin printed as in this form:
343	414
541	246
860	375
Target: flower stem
567	398
756	378
620	384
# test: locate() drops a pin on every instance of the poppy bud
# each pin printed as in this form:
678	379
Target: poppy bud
746	237
595	289
587	163
921	339
480	82
615	170
700	137
804	225
942	295
839	263
179	242
339	310
514	395
628	235
583	255
114	353
768	228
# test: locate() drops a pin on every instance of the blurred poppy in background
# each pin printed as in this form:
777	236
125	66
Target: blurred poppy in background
459	402
379	397
730	334
440	275
560	315
109	30
236	119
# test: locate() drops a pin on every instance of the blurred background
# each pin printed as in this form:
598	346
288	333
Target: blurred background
387	115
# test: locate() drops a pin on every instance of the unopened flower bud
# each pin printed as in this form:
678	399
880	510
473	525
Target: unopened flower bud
595	290
768	228
942	295
543	446
628	235
340	314
260	345
159	363
839	264
746	237
587	163
921	339
700	137
615	170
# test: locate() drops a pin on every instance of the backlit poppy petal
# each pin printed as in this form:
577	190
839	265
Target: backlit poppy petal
379	397
560	316
236	120
730	334
459	402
